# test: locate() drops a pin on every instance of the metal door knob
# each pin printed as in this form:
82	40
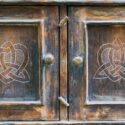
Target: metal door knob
77	60
49	58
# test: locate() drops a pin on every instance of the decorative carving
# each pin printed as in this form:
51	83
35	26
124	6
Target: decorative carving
111	61
10	70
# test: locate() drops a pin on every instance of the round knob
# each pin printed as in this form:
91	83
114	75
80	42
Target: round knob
78	60
49	58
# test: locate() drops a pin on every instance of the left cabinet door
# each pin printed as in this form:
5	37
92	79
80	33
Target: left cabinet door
29	81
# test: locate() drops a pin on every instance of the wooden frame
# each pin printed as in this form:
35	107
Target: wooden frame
57	2
98	22
38	23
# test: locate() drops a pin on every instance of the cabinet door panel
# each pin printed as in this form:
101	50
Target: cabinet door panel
18	61
29	85
96	63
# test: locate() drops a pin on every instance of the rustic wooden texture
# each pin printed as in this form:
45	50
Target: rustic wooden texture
63	64
26	38
100	13
77	123
75	75
78	109
64	123
111	88
53	2
48	42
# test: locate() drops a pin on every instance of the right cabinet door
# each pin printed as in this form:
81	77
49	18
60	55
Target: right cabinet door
96	51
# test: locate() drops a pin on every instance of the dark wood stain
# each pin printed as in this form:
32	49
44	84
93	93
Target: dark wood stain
60	78
50	108
57	2
78	109
20	38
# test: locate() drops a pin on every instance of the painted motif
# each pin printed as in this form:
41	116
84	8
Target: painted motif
111	61
13	65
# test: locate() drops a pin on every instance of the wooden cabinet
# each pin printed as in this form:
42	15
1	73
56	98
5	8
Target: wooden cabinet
29	63
62	64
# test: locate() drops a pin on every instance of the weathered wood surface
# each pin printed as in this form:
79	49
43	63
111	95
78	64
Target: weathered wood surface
64	123
63	64
23	51
103	37
53	2
48	42
77	75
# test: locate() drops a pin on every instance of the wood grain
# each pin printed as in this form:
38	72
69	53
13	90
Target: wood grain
54	2
79	110
26	38
110	89
63	64
76	73
48	42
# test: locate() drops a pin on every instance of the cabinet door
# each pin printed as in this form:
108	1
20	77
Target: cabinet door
29	63
96	63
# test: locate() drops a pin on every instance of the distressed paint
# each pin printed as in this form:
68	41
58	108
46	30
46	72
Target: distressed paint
47	34
53	2
79	109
